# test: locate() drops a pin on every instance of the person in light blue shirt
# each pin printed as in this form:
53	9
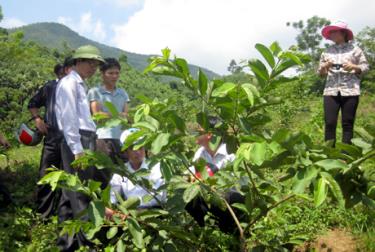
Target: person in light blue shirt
108	140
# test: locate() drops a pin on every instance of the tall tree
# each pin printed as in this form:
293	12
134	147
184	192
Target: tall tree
309	38
233	67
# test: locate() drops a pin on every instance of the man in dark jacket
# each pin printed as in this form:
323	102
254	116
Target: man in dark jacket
51	154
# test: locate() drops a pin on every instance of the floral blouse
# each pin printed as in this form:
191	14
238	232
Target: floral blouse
339	80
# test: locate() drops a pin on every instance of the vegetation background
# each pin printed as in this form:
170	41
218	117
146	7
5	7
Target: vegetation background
26	63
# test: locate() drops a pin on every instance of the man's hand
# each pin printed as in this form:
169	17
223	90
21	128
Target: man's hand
325	68
41	126
350	67
109	213
328	65
76	156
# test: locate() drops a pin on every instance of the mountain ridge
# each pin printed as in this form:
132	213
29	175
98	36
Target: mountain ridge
58	36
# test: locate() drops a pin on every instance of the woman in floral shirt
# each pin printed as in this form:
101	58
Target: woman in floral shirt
343	64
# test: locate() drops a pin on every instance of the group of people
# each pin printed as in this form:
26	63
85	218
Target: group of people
69	130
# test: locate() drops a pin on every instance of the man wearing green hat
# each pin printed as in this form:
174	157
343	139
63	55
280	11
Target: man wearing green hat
74	121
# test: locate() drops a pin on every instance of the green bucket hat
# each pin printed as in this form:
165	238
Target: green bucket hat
88	52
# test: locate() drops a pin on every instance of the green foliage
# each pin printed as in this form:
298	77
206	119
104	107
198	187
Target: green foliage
316	173
24	67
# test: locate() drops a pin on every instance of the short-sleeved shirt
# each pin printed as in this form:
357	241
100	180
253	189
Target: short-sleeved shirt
341	81
118	98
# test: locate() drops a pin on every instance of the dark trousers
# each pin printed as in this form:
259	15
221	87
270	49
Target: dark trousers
198	208
47	199
73	203
332	106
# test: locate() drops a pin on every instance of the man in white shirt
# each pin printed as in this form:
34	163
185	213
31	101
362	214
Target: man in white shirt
74	121
125	188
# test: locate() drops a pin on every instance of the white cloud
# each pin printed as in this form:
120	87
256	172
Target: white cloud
122	3
11	23
212	32
85	26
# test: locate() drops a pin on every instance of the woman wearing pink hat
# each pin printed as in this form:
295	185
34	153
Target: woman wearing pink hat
343	64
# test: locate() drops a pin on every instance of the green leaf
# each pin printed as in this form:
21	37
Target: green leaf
120	246
259	69
145	125
131	203
223	90
151	213
182	66
51	178
109	249
96	211
267	54
114	122
202	82
285	65
166	52
258	153
165	170
111	108
132	138
202	120
94	185
106	195
275	48
335	188
250	91
320	191
112	232
303	179
160	141
136	232
293	57
329	164
190	193
241	207
362	144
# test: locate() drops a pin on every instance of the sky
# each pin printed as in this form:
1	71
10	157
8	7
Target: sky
208	33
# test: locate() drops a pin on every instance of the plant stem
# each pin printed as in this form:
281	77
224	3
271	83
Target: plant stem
269	209
248	170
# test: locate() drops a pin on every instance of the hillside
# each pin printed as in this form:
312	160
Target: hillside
54	35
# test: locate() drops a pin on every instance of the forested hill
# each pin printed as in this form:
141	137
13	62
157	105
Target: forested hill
54	35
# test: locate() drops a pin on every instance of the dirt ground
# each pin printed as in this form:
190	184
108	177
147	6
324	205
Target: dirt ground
333	241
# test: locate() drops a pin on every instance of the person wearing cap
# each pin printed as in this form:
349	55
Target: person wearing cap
75	122
109	138
125	188
343	64
51	155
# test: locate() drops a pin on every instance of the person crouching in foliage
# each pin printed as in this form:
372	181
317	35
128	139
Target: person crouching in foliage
108	141
51	153
126	188
343	64
213	153
75	122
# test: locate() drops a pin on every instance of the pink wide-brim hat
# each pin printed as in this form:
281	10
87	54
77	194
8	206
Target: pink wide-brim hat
336	27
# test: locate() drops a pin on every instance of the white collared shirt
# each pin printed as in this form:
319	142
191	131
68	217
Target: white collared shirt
73	110
220	159
124	187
